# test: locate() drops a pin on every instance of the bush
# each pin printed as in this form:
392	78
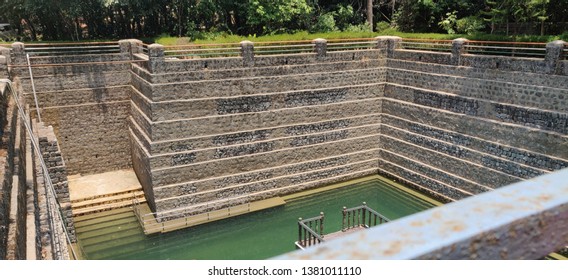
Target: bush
325	23
363	27
449	23
344	16
382	25
469	25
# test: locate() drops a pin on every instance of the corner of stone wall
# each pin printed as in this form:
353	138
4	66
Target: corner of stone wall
156	59
247	53
51	153
389	43
553	58
458	49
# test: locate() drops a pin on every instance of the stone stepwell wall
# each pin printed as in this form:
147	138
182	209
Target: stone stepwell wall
459	124
211	130
85	97
451	124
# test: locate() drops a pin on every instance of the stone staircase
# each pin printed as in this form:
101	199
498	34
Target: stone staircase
104	234
105	202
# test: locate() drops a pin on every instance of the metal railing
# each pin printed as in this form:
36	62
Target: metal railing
351	44
361	216
203	51
72	48
284	47
56	218
427	45
513	49
310	231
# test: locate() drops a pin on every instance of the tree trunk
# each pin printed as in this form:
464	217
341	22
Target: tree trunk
370	14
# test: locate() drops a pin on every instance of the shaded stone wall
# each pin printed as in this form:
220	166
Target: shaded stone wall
459	127
86	101
254	127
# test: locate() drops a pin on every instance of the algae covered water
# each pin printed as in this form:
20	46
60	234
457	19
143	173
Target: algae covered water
258	235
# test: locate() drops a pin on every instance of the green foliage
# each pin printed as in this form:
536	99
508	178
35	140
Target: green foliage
273	16
449	23
358	28
325	23
469	25
382	25
212	19
345	16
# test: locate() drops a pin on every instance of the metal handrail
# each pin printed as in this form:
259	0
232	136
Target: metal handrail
355	214
50	193
307	236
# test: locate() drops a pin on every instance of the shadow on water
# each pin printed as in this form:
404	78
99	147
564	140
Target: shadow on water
258	235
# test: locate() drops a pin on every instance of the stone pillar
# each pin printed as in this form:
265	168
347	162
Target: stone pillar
156	58
320	48
389	43
6	53
129	47
247	53
554	53
458	49
4	67
18	53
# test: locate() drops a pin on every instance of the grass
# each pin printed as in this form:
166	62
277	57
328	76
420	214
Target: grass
223	38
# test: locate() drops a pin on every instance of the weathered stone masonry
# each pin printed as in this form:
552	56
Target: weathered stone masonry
234	129
451	124
257	126
87	103
458	124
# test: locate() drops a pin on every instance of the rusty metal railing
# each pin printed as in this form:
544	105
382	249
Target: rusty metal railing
361	216
310	231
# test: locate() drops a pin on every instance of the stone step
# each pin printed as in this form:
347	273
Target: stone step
94	218
107	203
252	85
107	234
107	199
129	191
276	70
88	224
130	237
78	81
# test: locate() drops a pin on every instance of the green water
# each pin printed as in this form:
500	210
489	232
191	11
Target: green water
258	235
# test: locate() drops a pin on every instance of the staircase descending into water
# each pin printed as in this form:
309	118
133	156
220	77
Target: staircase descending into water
104	202
109	233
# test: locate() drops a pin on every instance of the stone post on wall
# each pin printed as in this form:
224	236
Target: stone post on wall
458	49
18	53
3	65
320	48
247	53
4	61
129	47
554	53
156	60
389	43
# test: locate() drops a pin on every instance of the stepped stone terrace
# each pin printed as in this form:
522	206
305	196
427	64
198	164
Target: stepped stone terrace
210	127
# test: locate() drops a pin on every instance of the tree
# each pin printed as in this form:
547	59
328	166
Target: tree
270	16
